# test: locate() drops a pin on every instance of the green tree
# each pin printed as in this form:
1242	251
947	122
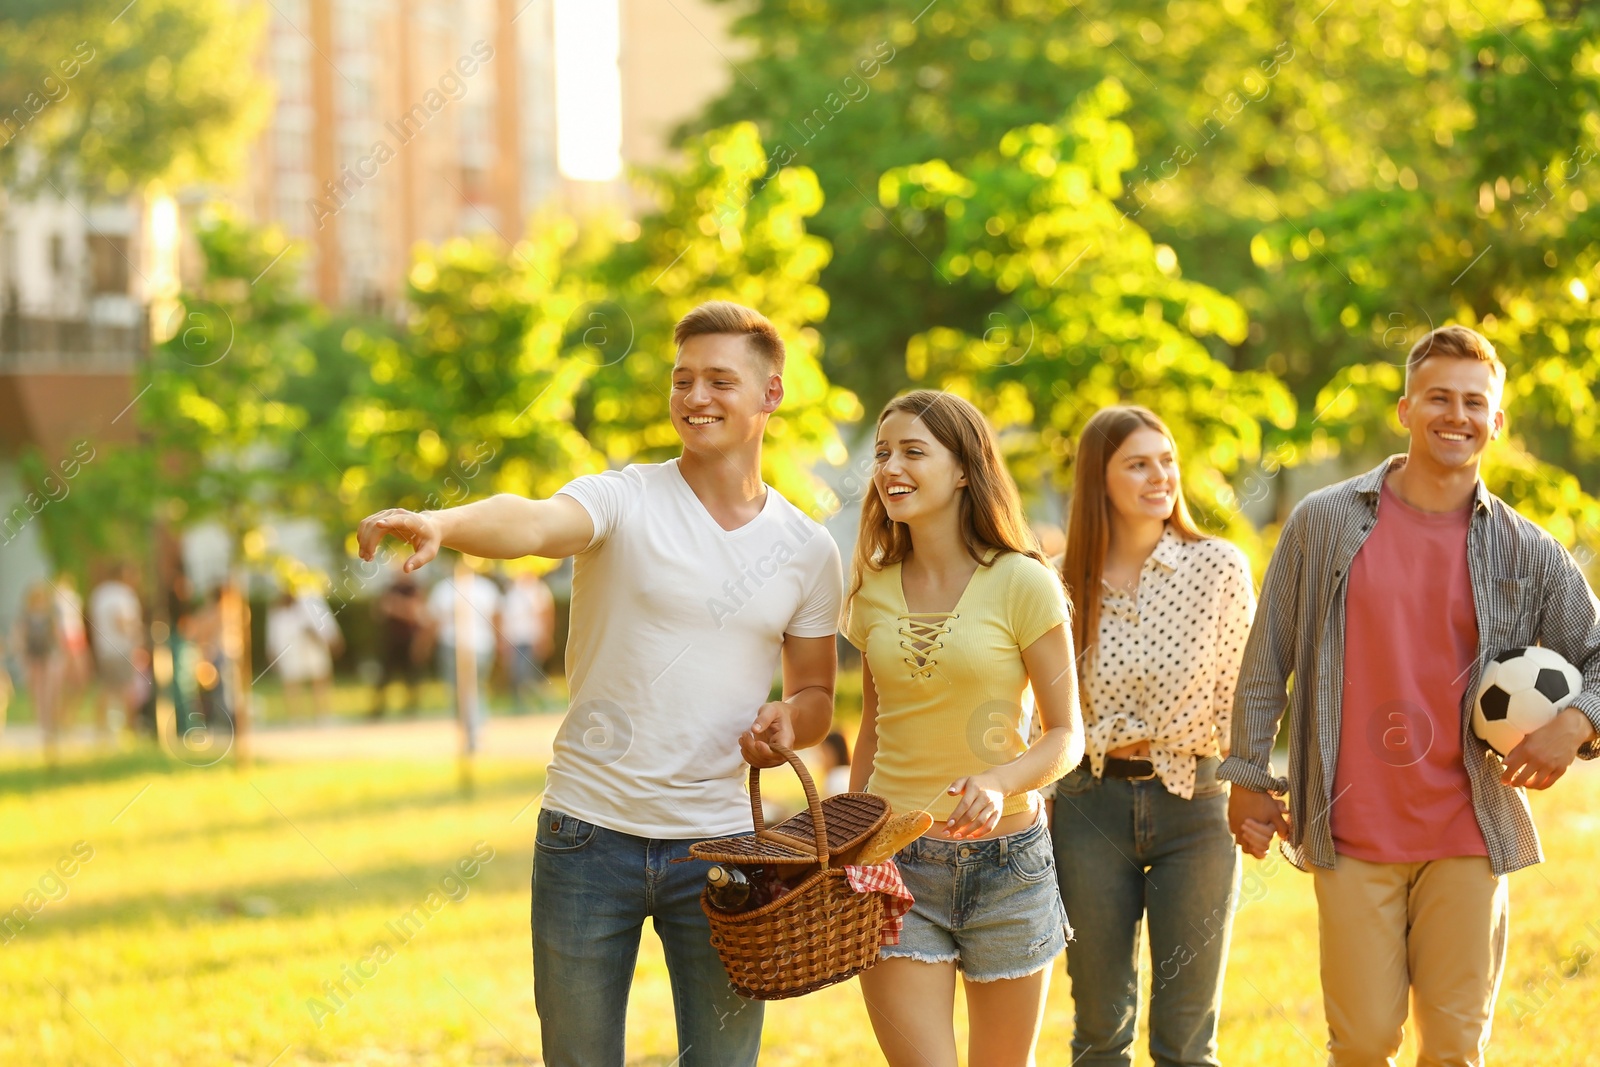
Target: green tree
518	371
110	95
473	394
1334	169
720	231
221	429
1097	313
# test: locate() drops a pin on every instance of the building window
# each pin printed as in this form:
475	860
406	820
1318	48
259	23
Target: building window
58	254
108	263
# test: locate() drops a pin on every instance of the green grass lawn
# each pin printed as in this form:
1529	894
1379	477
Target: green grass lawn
349	700
217	903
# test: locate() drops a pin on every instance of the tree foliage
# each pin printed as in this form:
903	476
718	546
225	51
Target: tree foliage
1349	174
1097	313
517	373
514	371
109	95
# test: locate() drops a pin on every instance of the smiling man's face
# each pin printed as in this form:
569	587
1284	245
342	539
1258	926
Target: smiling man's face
722	393
1452	411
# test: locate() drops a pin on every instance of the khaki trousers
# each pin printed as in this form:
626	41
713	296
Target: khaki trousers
1435	931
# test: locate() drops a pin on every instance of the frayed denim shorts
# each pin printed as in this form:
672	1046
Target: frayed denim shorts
990	906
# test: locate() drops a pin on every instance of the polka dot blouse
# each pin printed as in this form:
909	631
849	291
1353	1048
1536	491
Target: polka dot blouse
1167	657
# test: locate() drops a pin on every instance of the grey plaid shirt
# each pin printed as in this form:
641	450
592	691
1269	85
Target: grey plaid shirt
1526	589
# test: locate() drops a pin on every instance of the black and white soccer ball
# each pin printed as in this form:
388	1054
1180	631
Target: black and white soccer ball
1522	689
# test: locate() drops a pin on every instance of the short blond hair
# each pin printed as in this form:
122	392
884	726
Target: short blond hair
1456	342
724	316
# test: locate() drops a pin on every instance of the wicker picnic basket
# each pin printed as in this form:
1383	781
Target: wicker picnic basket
823	931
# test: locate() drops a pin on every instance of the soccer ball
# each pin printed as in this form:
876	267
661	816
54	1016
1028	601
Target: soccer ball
1522	689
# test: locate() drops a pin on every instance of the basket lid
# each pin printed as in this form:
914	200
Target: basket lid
849	818
844	821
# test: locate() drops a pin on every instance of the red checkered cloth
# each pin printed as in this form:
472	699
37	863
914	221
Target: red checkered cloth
883	878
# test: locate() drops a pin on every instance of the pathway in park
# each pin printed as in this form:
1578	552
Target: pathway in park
508	737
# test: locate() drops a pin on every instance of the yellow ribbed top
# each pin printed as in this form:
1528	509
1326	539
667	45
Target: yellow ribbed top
950	684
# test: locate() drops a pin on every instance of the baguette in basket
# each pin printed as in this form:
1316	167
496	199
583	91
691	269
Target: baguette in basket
893	836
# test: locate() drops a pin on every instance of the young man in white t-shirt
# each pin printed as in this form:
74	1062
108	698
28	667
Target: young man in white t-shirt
693	583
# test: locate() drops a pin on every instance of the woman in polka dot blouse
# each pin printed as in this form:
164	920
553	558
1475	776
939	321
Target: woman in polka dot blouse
1141	827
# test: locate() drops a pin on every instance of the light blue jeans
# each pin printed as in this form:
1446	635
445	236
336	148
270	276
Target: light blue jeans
593	888
1125	851
990	906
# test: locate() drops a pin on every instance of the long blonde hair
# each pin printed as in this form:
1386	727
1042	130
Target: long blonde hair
991	509
1089	518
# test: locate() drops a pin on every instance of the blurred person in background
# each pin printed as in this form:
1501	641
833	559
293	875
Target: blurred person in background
116	624
527	631
402	622
186	670
482	603
38	641
302	639
211	661
74	645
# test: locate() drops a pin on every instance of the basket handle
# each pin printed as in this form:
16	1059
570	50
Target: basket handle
818	827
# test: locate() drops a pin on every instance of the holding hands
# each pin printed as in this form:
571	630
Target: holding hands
1254	817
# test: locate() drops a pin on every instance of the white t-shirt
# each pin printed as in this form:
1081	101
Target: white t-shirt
676	630
522	619
483	602
298	636
114	619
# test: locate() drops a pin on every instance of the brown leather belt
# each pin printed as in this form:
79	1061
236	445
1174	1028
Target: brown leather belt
1132	769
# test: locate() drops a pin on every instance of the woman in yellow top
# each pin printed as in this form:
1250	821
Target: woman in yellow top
955	612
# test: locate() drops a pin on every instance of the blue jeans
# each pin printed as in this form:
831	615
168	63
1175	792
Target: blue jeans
1124	851
593	888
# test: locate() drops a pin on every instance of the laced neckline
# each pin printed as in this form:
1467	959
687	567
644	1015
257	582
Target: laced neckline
922	633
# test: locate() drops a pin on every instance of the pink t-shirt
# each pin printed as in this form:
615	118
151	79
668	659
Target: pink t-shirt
1401	792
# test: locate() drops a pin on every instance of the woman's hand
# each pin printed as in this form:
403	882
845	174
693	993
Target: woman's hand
979	811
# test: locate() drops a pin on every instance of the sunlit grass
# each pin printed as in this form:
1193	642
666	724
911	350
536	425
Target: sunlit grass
217	903
349	700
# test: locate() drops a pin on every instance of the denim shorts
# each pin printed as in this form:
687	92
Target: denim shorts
990	906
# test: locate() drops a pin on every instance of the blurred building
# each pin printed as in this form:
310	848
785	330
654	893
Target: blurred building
76	277
675	57
394	122
405	121
399	121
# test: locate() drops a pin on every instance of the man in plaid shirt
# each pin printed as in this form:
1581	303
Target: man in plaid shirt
1385	598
